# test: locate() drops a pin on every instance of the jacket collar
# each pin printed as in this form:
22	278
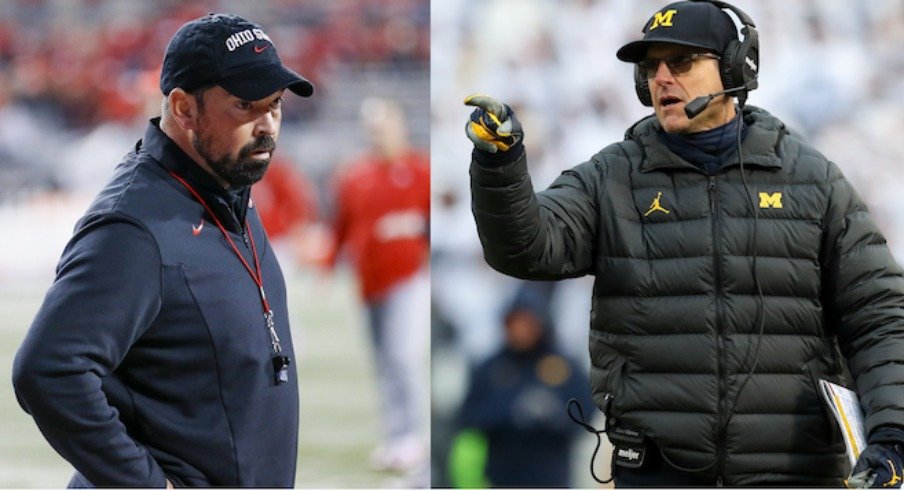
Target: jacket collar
229	206
759	146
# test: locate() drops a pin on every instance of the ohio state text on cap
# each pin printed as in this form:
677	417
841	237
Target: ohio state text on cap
229	51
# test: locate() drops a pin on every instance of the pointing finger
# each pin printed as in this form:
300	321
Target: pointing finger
487	103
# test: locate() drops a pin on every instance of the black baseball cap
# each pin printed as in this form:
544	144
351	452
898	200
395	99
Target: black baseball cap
229	51
696	24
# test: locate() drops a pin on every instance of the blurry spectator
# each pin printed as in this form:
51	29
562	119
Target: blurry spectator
516	404
382	222
285	200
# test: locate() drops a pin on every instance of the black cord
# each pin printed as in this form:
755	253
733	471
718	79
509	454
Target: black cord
589	428
760	318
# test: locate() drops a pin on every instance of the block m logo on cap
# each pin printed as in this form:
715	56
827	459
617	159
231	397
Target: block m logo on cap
663	19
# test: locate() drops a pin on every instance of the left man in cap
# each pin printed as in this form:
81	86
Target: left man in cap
162	353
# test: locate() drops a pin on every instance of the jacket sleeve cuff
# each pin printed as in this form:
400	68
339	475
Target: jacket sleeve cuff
498	159
887	434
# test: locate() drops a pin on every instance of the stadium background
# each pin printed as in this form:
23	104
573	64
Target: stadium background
78	81
831	69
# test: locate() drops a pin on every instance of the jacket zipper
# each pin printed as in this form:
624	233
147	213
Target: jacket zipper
235	219
720	334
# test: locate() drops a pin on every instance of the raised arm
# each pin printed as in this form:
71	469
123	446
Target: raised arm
547	235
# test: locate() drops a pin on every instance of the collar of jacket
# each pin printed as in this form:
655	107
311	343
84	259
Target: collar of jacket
760	146
231	207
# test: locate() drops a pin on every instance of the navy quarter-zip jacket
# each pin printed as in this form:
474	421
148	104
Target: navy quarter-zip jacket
150	357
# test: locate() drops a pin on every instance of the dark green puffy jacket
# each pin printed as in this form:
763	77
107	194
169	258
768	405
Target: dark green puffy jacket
674	329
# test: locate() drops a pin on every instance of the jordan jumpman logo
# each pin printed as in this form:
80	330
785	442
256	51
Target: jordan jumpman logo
656	206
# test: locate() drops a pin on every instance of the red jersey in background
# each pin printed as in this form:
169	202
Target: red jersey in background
284	199
382	219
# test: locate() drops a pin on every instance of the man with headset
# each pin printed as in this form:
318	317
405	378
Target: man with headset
735	268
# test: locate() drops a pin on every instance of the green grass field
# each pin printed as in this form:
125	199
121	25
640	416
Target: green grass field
338	401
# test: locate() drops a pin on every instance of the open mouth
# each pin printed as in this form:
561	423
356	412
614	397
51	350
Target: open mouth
668	100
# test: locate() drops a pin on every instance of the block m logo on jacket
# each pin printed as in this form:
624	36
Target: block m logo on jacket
771	200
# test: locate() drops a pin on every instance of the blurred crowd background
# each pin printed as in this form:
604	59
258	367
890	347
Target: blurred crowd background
78	83
833	70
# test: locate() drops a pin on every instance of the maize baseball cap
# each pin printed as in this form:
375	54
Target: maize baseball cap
696	24
229	51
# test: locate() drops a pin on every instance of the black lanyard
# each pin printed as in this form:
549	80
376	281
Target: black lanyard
280	362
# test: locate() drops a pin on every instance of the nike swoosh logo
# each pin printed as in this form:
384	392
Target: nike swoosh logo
196	229
261	49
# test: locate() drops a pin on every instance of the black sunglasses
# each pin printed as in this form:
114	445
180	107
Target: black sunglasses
679	63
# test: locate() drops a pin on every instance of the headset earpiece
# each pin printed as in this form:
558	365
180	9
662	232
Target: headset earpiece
740	62
642	87
728	65
750	58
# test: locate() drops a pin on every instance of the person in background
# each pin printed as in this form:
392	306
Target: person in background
514	412
285	200
381	225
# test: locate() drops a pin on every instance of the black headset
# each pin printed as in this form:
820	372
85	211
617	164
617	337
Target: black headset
738	67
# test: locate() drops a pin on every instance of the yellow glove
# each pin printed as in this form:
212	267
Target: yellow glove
493	126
